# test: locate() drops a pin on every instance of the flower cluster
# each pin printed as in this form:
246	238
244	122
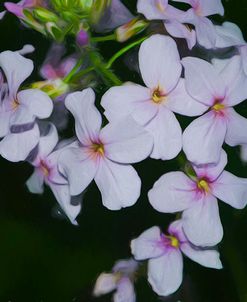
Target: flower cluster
141	123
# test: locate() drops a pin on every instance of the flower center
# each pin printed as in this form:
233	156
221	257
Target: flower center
174	242
203	185
218	107
44	168
158	96
98	148
15	104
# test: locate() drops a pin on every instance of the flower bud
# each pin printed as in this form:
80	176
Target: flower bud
82	38
130	29
44	15
54	31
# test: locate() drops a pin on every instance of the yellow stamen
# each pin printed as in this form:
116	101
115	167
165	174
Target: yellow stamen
15	104
99	148
203	185
44	169
218	107
174	241
158	96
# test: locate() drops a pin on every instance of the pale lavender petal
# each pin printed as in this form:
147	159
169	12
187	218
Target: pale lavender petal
125	291
153	9
211	171
48	142
181	102
148	245
209	7
119	184
121	137
202	81
17	146
2	14
16	69
5	117
205	32
160	63
203	139
62	194
87	118
179	30
78	167
129	99
35	182
243	153
126	267
176	229
208	258
165	273
231	189
173	192
105	283
243	53
229	34
201	222
235	81
36	102
236	133
167	134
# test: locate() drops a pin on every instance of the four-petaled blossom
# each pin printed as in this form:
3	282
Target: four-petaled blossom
204	28
197	198
165	265
219	87
19	110
46	172
120	280
104	154
153	106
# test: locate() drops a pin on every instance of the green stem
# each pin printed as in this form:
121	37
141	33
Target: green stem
68	77
124	50
100	67
103	39
81	73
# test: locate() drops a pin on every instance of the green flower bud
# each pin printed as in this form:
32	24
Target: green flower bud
130	29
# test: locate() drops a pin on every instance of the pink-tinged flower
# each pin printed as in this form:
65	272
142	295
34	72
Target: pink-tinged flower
104	154
218	86
119	280
164	252
19	110
55	65
197	198
200	9
46	172
17	8
229	34
153	106
172	17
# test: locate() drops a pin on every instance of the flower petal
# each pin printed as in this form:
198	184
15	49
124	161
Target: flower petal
243	153
17	146
208	258
203	139
16	69
78	167
121	137
212	171
202	81
165	273
229	34
231	189
181	102
148	245
36	101
129	99
167	134
236	133
209	7
87	118
173	192
125	291
35	182
160	63
105	283
119	184
62	194
201	222
205	32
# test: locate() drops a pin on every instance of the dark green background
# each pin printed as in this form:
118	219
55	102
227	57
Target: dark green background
45	258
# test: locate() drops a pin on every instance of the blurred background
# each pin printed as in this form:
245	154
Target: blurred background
44	258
